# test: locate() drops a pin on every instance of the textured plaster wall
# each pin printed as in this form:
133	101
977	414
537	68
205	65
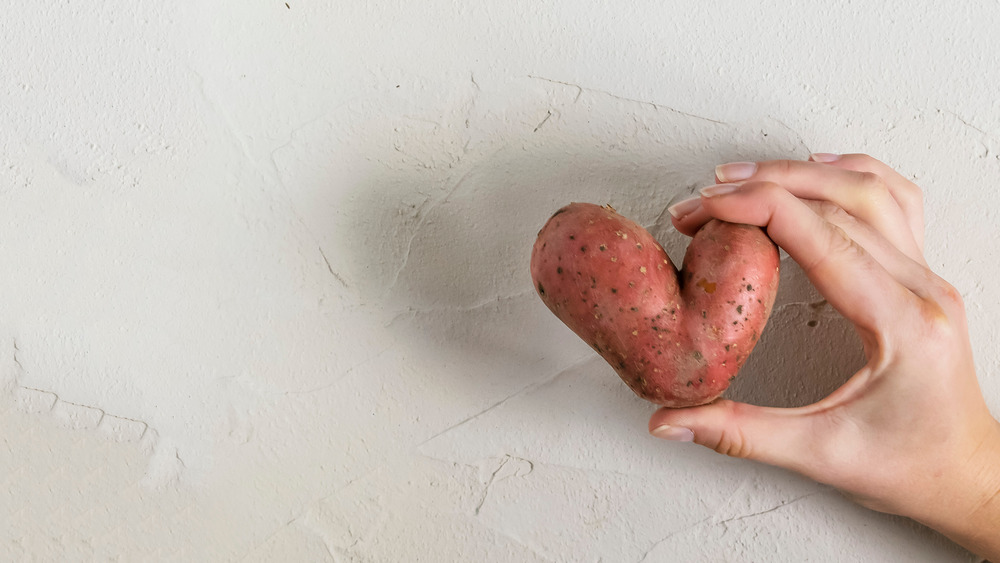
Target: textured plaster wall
265	292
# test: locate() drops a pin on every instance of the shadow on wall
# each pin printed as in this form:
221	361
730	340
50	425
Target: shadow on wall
455	245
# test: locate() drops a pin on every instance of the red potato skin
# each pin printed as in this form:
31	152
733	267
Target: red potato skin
676	339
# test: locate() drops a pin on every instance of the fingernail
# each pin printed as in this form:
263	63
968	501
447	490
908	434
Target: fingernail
823	157
684	207
674	433
735	171
719	189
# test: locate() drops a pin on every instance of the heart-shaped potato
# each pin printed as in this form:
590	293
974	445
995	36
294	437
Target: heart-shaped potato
675	339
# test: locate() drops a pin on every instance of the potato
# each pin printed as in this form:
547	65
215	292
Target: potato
676	339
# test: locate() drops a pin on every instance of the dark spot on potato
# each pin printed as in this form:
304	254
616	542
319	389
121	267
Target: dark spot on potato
735	322
704	315
571	237
638	245
634	309
614	290
541	290
732	377
603	247
583	249
697	355
749	287
690	383
812	323
621	309
559	270
593	282
739	309
727	347
701	380
621	365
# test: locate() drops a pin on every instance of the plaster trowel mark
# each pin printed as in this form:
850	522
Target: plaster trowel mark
335	275
515	467
486	491
580	90
80	416
16	361
548	114
772	509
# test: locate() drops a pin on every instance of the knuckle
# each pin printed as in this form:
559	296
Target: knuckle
769	190
841	243
948	296
733	443
942	316
833	213
839	247
872	182
781	167
872	190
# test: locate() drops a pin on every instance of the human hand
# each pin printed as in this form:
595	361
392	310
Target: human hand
910	432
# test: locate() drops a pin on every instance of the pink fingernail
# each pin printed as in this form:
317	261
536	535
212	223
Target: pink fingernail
673	433
824	157
735	171
719	189
684	207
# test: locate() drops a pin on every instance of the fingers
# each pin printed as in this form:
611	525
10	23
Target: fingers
910	273
849	277
768	435
863	194
688	215
908	195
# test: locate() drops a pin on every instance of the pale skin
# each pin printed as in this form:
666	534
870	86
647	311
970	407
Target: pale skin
909	433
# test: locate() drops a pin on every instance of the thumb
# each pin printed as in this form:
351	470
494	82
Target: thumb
768	435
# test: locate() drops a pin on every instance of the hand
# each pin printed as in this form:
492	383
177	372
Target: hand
909	433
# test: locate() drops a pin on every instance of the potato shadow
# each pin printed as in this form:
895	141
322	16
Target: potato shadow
456	284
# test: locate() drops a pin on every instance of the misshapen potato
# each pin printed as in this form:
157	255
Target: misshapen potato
676	339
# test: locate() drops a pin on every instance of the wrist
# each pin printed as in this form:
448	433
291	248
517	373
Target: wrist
964	503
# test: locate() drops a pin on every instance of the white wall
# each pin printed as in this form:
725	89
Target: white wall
266	290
